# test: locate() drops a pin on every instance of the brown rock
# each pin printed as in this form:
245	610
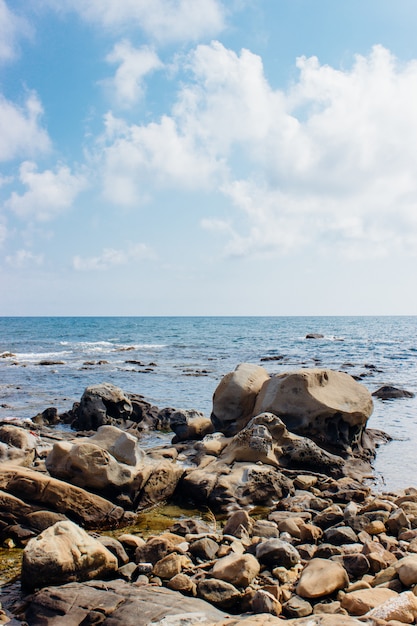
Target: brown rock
235	569
64	553
361	601
402	608
321	578
235	396
406	569
218	592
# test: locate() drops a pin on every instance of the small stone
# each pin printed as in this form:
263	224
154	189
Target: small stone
297	607
235	569
321	578
205	549
340	535
170	566
237	521
183	583
376	527
406	569
266	529
356	565
275	552
265	602
218	592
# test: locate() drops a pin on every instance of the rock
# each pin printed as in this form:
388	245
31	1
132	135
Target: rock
235	569
17	437
189	424
340	535
406	569
265	602
402	608
115	547
183	583
314	336
388	392
356	565
88	465
155	549
275	553
64	553
238	520
102	404
48	417
327	406
204	549
161	484
42	491
361	601
266	439
218	592
170	565
235	396
321	578
297	607
123	446
117	602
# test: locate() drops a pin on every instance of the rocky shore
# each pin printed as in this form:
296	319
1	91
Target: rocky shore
294	534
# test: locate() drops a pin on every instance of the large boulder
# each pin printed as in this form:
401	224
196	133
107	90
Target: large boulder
65	553
327	406
88	465
40	491
266	439
102	404
235	396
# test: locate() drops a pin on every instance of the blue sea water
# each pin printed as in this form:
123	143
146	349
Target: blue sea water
178	362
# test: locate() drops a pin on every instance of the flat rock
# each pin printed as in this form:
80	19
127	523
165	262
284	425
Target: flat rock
117	602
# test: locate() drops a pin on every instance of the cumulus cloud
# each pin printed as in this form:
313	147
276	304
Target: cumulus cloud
112	257
21	133
12	28
127	86
24	258
48	193
330	161
162	20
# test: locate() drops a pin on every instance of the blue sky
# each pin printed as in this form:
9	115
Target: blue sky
208	157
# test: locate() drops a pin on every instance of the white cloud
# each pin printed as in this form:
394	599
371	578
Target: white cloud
162	20
329	163
24	258
21	133
127	86
12	27
111	257
48	193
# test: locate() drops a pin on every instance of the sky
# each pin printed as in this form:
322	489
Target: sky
208	157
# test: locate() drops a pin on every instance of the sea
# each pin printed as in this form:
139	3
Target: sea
179	361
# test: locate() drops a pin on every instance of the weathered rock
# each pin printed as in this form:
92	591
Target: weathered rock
275	552
160	485
238	520
189	424
41	491
88	465
102	404
183	582
218	592
406	569
402	608
204	548
266	439
361	601
235	396
170	565
117	602
388	392
321	578
123	446
329	407
64	553
297	607
115	547
235	569
265	602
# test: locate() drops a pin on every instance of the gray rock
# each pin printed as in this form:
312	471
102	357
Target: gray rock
275	552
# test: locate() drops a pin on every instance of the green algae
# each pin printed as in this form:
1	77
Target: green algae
10	564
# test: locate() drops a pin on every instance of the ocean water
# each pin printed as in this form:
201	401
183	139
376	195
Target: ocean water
178	362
